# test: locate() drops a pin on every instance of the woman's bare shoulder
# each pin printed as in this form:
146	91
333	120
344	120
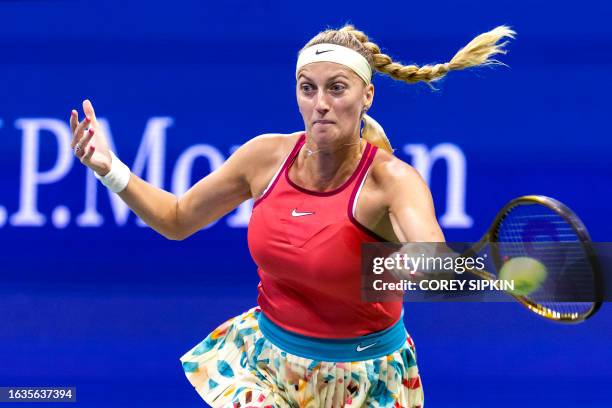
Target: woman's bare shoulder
265	148
259	158
273	145
388	170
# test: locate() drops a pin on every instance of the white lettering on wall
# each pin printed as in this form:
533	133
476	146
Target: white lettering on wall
151	153
2	209
149	164
31	175
423	160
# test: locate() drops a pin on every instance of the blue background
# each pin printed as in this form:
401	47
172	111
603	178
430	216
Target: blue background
113	323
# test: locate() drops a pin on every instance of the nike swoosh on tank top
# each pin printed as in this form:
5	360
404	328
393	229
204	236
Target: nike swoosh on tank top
307	246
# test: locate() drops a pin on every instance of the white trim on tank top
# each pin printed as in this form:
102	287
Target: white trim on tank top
359	191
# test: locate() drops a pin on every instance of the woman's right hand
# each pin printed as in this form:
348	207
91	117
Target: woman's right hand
89	143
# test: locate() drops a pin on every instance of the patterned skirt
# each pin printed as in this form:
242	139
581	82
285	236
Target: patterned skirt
237	367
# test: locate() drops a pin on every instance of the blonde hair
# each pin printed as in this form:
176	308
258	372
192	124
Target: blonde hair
477	52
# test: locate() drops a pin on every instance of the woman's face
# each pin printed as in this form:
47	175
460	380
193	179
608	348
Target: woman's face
331	99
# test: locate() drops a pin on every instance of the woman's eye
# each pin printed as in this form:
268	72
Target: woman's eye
306	88
338	88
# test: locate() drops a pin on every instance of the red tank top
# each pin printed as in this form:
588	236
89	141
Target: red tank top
307	247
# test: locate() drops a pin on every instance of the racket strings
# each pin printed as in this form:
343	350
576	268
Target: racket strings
538	232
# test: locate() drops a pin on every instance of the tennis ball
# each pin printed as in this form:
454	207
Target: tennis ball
527	273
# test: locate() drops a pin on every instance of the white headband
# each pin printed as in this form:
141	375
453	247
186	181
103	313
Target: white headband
338	54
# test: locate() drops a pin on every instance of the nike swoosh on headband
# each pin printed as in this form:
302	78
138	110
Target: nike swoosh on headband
295	213
317	52
360	348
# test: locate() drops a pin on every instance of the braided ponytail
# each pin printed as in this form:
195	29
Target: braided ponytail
477	52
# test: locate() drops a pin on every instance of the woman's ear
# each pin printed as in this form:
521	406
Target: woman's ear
368	96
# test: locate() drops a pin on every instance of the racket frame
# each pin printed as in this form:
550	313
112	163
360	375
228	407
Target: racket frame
585	240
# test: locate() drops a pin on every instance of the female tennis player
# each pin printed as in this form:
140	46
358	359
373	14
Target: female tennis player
319	193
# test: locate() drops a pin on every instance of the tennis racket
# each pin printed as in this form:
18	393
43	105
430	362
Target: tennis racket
545	229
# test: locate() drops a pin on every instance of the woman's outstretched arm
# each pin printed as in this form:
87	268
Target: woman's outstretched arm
175	218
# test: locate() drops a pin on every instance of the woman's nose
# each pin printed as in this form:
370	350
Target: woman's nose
322	103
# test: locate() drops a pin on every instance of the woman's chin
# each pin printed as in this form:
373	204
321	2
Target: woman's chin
322	134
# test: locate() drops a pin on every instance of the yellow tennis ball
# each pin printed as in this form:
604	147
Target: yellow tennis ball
527	273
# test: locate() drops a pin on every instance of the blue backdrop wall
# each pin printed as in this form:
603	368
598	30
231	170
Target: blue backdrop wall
180	84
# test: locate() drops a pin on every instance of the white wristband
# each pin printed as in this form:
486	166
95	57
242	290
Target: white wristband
117	178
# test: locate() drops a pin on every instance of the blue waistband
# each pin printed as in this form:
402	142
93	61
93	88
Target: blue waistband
366	347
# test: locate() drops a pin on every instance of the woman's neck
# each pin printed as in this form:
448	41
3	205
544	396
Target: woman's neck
325	168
